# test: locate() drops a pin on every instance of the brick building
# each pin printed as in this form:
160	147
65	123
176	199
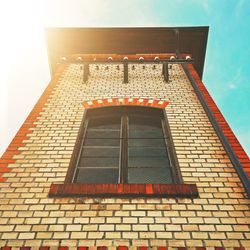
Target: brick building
125	148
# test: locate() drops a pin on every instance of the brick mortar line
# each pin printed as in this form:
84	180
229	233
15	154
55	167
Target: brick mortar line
21	135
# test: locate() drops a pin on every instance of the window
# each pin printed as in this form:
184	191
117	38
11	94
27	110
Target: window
124	151
124	144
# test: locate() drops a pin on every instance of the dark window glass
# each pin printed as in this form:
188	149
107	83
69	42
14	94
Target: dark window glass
107	123
99	162
148	162
144	123
148	159
96	175
97	151
149	175
124	144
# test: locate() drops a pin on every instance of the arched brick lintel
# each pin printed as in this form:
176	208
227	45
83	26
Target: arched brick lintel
125	101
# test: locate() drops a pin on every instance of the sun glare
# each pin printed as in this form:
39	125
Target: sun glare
22	44
21	28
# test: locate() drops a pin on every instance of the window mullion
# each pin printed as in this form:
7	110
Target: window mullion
124	150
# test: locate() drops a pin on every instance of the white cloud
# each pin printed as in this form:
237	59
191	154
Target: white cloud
236	80
240	4
232	86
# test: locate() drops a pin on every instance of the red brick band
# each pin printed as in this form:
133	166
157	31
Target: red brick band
136	190
13	148
123	248
125	102
235	144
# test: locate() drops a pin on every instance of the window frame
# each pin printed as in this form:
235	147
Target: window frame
123	190
175	170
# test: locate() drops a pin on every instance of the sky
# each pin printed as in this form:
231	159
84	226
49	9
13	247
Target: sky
24	69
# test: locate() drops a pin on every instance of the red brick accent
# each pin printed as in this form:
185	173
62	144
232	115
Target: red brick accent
107	190
235	144
13	148
125	102
125	248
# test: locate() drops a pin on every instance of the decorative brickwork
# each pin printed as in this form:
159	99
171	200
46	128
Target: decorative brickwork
125	101
217	219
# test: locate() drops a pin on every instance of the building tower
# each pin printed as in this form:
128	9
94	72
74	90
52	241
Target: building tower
125	149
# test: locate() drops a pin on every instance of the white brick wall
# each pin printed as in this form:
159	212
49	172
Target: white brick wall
220	217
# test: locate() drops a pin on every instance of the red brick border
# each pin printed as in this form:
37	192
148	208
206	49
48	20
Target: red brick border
124	190
125	101
235	144
13	148
122	248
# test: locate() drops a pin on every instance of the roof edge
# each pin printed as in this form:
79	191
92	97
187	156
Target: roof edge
63	41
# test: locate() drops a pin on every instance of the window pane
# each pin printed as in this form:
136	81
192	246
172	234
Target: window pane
102	138
147	152
144	123
96	175
102	142
139	162
146	142
102	133
99	162
157	133
148	160
149	175
110	122
100	152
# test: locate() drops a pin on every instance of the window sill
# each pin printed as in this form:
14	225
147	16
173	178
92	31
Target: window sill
124	190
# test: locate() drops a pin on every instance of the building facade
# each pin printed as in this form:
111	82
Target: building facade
201	203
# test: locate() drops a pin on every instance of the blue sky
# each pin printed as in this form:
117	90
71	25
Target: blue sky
24	71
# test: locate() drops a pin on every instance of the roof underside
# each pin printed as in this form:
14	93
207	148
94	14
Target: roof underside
186	40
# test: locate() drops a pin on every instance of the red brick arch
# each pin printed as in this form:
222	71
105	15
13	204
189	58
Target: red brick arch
125	102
